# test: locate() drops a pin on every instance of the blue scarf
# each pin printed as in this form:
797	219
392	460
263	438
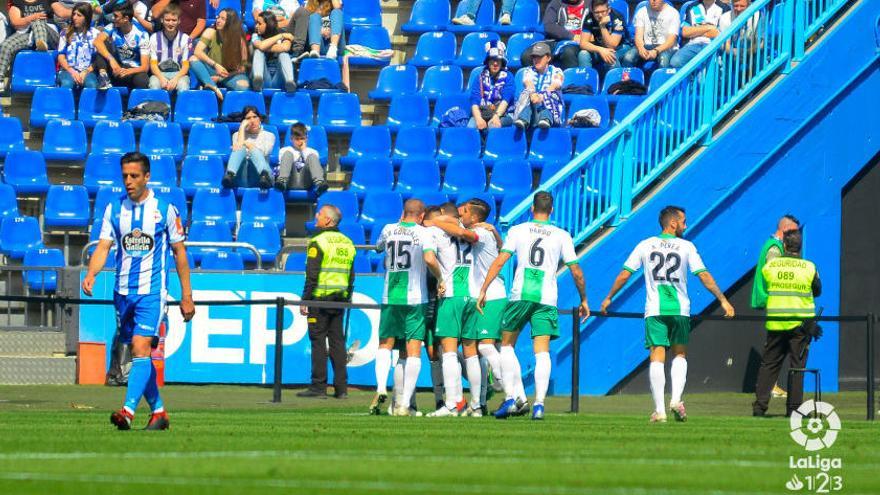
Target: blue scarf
490	89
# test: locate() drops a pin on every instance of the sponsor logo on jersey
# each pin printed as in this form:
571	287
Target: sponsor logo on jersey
137	243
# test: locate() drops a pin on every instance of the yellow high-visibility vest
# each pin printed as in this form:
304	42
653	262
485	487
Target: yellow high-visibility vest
336	264
789	283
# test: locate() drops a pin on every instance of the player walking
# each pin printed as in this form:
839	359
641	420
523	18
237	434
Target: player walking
666	259
143	227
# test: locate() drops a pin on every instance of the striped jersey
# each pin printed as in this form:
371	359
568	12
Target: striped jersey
404	244
485	251
143	233
666	260
539	246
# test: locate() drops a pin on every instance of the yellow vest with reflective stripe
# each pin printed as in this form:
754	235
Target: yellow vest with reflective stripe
789	283
336	264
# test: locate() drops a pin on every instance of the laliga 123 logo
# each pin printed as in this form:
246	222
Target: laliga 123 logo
814	425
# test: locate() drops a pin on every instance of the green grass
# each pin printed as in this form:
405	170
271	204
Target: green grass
231	440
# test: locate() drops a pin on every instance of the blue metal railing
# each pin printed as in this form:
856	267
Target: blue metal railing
599	184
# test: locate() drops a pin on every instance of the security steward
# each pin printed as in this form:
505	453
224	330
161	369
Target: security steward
329	277
791	283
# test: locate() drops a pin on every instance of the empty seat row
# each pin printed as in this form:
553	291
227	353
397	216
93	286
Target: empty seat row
436	15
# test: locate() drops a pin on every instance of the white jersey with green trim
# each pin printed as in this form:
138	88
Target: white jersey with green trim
404	244
538	246
485	251
456	263
666	260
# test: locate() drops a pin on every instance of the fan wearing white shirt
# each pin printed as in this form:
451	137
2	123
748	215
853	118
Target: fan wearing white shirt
699	27
656	35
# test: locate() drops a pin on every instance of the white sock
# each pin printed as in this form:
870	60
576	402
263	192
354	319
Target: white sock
459	385
678	375
542	376
484	379
437	380
474	376
657	374
518	383
399	382
411	376
383	366
493	357
509	367
451	377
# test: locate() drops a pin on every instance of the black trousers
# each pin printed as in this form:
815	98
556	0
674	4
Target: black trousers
794	344
140	80
325	326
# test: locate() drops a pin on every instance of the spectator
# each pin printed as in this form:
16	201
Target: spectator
298	26
271	60
699	27
492	93
76	50
221	55
470	12
325	28
563	23
192	16
604	38
124	50
540	104
142	15
746	39
656	34
300	166
169	53
252	144
282	9
34	29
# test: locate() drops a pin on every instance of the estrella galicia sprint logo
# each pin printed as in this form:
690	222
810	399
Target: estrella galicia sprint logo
814	425
137	243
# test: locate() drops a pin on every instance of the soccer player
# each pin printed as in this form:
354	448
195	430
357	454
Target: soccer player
143	227
667	259
539	246
408	249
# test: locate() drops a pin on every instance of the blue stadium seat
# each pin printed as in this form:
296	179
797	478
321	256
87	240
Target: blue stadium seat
102	170
276	147
295	262
518	44
510	176
207	231
551	168
8	201
264	236
586	137
395	80
473	49
598	103
363	13
162	138
418	176
550	145
139	95
526	17
619	73
217	205
200	172
362	263
339	113
42	280
504	142
32	69
434	48
509	203
105	195
235	101
459	142
163	171
222	260
176	197
408	111
312	69
25	170
428	15
195	106
247	14
317	141
518	82
346	201
445	102
658	77
18	234
375	37
95	105
67	206
287	109
371	174
380	204
580	76
414	142
263	206
367	142
353	231
51	103
621	6
483	22
209	139
11	135
65	140
113	137
441	80
431	198
463	177
624	106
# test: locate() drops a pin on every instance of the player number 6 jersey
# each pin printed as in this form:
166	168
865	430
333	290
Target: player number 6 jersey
538	247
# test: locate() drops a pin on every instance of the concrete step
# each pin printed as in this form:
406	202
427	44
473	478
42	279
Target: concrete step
20	344
37	370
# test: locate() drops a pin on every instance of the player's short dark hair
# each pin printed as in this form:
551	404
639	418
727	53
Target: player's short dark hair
136	157
670	213
791	218
126	9
542	202
413	207
250	109
299	130
480	208
792	241
598	2
449	208
432	211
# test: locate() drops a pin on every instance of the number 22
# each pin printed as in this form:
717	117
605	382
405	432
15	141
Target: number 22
671	259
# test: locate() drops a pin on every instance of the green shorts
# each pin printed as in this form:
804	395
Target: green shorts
667	330
454	315
402	322
544	318
488	324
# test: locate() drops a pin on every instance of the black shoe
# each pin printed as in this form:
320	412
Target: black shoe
312	393
228	180
265	181
759	413
281	185
340	395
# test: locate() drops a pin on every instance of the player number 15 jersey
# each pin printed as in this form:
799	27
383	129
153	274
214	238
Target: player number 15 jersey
538	247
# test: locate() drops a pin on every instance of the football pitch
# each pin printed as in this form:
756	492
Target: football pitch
232	440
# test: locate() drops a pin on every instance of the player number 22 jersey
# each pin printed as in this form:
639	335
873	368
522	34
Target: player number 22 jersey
538	247
666	260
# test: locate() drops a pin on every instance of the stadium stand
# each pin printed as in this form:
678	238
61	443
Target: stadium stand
163	171
200	172
207	231
395	80
511	176
380	205
102	170
414	142
464	177
194	107
516	44
216	205
11	135
264	236
371	174
32	69
408	111
95	106
441	80
434	48
67	206
42	280
207	138
339	113
65	140
8	201
428	15
367	142
460	142
263	206
176	197
550	145
483	22
25	170
222	260
51	103
504	142
161	138
418	176
446	102
114	137
286	109
525	18
18	235
373	37
473	49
